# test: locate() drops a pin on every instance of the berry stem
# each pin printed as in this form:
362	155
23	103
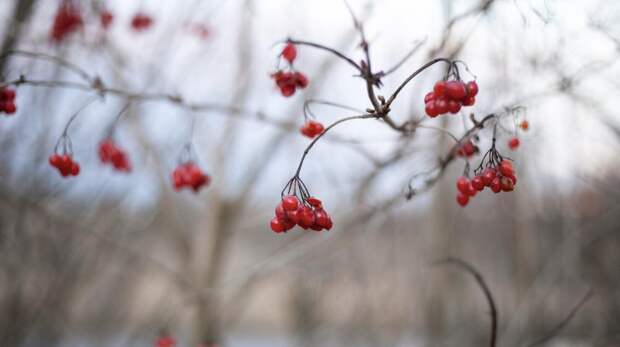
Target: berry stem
412	76
77	112
328	49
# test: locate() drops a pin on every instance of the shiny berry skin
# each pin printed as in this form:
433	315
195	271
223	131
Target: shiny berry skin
293	216
469	101
301	80
439	90
431	109
276	225
505	168
290	203
306	217
477	183
429	96
314	202
456	90
496	185
454	106
441	105
506	184
462	185
488	175
280	212
472	88
513	143
289	52
462	199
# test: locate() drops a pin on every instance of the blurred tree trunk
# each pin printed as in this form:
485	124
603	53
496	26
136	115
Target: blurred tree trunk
21	13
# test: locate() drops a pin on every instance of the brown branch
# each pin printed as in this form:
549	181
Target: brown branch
485	290
328	49
556	330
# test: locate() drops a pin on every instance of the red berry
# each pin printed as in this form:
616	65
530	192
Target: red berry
478	183
462	185
488	175
462	199
106	19
513	143
506	184
456	90
441	105
431	108
469	101
316	127
525	125
290	203
68	19
7	94
472	88
496	185
314	202
294	216
321	218
277	225
505	168
439	90
287	90
306	217
75	169
454	106
9	107
289	52
471	191
301	80
141	22
428	97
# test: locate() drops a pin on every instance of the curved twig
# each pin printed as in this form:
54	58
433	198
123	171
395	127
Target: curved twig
328	49
485	289
413	75
57	60
556	330
404	59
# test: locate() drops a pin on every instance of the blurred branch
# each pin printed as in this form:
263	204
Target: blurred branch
485	289
57	60
556	330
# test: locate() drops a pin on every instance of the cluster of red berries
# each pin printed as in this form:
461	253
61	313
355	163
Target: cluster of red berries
65	164
311	128
289	81
165	341
308	214
189	175
68	19
467	149
110	153
450	96
501	177
141	21
7	101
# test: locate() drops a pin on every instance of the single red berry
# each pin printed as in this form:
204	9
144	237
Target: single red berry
316	127
469	101
277	225
287	90
306	217
301	80
106	18
513	143
7	94
505	168
488	175
9	107
294	216
462	185
471	191
496	185
506	184
478	183
314	202
439	90
462	199
429	96
321	218
441	105
456	90
431	109
75	169
289	52
472	88
141	22
454	106
290	203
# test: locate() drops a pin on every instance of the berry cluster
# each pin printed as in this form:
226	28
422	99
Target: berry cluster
110	153
500	177
189	175
311	128
68	19
289	81
308	214
468	149
141	21
7	101
450	96
65	164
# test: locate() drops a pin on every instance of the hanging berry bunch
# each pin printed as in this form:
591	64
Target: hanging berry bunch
62	158
67	20
111	154
450	94
188	174
297	207
311	128
288	81
7	101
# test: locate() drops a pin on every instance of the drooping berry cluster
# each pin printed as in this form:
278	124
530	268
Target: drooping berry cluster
450	96
65	164
311	128
68	19
141	22
307	212
498	174
289	81
191	176
110	153
7	101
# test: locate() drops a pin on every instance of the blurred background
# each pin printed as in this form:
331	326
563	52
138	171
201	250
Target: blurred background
112	259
